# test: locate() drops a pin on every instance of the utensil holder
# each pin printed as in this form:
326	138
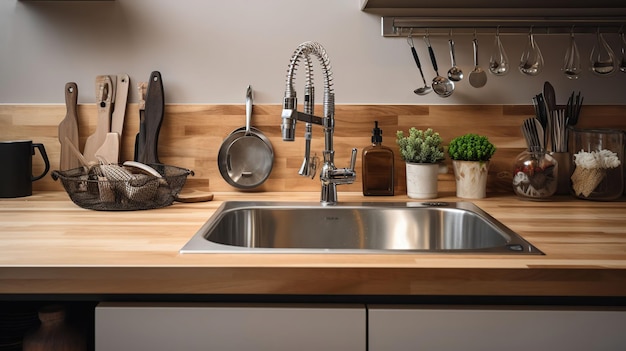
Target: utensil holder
536	174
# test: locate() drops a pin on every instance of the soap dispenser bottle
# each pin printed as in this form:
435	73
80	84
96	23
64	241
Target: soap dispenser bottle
378	166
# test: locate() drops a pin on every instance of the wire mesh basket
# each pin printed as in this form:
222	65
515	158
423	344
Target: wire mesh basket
119	188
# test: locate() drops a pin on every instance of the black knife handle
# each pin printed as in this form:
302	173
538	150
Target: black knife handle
155	107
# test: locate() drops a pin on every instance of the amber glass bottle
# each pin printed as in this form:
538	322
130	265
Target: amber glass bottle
378	166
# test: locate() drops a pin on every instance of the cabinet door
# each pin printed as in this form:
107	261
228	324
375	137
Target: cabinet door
443	329
229	327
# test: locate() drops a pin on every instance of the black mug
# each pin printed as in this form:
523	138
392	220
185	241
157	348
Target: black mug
16	167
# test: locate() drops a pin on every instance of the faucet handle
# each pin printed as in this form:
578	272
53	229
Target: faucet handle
353	159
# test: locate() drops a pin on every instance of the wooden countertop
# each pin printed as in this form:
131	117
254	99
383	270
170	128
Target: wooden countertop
48	245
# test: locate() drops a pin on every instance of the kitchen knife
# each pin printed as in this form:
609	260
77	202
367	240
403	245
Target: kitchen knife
155	107
104	97
140	138
68	129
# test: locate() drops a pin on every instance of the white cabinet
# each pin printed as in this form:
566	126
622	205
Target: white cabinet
187	326
426	328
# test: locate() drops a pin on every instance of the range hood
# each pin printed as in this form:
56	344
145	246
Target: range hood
490	8
402	17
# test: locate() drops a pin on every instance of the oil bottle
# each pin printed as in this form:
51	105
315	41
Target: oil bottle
378	166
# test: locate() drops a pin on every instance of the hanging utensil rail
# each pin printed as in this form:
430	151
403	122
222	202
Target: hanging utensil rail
402	26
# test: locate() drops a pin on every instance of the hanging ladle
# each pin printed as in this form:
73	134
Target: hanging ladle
531	62
455	74
602	57
425	89
499	61
442	86
571	66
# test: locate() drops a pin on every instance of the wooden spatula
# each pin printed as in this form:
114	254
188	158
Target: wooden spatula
110	149
68	129
104	97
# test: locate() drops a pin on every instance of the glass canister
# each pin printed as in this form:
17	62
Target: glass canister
597	162
535	174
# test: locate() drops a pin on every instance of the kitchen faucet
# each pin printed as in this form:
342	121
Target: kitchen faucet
330	176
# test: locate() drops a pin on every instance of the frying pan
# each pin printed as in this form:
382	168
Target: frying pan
246	156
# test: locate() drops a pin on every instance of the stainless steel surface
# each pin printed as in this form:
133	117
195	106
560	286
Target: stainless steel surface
359	228
330	176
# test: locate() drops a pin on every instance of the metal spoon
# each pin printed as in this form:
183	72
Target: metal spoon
478	77
442	86
454	73
425	89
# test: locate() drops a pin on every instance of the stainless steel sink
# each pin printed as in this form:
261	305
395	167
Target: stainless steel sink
406	227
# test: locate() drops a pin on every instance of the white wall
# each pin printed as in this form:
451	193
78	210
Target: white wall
208	51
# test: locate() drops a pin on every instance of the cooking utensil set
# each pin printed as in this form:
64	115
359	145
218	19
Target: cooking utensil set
553	120
603	62
104	144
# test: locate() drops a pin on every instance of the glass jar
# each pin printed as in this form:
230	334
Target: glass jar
535	174
597	162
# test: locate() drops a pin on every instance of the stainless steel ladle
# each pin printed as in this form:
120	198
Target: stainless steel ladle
442	86
455	73
425	89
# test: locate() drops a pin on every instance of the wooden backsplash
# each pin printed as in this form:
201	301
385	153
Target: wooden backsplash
191	136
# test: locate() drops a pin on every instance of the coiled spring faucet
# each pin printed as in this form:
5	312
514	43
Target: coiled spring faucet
330	176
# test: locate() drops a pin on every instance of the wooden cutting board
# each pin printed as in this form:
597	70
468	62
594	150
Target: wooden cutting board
68	129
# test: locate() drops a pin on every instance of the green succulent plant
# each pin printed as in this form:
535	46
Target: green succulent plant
471	147
420	146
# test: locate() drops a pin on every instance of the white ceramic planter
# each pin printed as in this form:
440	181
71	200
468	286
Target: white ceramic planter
471	178
421	180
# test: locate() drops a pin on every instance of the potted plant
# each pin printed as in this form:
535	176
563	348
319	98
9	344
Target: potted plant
470	154
422	151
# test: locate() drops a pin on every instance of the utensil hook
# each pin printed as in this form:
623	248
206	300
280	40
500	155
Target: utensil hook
497	31
427	38
409	39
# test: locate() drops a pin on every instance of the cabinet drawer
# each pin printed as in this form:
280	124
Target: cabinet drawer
136	326
443	329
